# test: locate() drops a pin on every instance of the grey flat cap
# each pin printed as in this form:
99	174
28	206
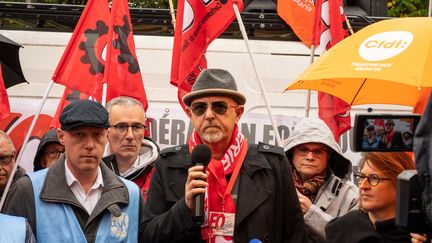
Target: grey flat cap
84	113
214	82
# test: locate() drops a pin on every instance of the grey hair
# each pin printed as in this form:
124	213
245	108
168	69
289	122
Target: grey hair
123	101
7	138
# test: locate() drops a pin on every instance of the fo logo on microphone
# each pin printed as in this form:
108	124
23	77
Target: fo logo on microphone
385	45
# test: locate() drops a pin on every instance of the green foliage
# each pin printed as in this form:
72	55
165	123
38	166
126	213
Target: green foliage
407	8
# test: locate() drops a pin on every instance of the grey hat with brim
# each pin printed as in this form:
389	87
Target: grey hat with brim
214	82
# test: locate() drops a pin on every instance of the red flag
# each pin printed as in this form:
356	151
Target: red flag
4	100
198	23
122	72
69	96
81	66
299	15
186	86
330	28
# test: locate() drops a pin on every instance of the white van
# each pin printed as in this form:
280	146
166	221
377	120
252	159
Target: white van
279	63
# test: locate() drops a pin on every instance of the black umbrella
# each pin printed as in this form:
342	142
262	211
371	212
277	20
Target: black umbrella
9	61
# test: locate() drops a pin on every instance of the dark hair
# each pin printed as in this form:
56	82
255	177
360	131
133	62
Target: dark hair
390	164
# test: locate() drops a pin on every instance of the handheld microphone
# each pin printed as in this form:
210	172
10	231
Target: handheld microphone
200	155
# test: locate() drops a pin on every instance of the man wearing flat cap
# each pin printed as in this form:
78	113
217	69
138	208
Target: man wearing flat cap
79	199
248	189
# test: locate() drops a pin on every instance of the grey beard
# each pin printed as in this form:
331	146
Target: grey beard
212	137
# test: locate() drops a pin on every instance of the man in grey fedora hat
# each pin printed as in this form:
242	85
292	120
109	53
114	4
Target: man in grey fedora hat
248	189
79	199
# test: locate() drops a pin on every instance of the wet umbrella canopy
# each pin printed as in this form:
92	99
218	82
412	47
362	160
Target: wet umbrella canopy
9	61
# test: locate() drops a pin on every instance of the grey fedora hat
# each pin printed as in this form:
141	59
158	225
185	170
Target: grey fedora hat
214	82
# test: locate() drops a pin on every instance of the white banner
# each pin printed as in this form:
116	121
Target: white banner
168	127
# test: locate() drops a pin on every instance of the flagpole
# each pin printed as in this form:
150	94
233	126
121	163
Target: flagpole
309	92
263	91
172	13
27	137
430	8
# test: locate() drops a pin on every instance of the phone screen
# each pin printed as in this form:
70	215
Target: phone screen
385	133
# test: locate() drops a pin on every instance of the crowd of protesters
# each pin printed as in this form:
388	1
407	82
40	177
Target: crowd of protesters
383	135
251	192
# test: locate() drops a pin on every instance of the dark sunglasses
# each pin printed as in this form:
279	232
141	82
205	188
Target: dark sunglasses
218	107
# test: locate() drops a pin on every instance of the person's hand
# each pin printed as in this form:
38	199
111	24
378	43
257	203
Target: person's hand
195	185
305	203
416	238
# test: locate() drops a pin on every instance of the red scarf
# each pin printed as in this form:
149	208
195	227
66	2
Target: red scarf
218	196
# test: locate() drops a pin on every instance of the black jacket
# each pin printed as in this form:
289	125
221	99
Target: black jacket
20	172
267	204
356	227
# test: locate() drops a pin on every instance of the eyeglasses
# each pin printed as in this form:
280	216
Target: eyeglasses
6	159
54	154
389	124
123	127
319	153
219	107
372	179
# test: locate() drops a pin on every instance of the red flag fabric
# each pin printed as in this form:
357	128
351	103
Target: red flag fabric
330	28
69	96
122	72
186	86
299	15
4	99
81	66
198	23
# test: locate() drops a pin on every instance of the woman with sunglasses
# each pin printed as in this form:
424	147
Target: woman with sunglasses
375	220
320	175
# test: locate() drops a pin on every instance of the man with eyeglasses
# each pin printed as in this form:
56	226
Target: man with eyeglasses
12	229
79	199
321	175
48	151
132	155
7	162
247	188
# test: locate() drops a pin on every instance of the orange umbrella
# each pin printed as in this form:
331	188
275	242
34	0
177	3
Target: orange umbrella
388	62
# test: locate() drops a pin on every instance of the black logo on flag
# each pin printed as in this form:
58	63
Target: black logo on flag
122	44
92	55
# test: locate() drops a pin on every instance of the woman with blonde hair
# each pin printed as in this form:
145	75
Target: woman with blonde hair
375	220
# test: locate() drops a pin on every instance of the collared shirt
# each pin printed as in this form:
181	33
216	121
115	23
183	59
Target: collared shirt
87	200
